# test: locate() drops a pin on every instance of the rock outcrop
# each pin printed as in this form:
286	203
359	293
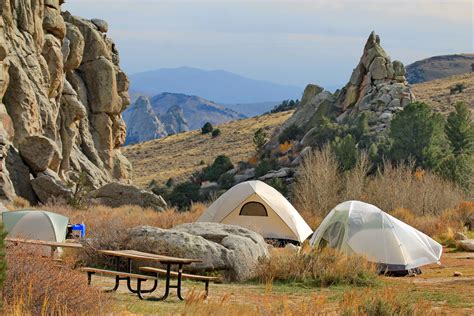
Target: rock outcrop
377	86
231	249
62	93
142	122
377	89
171	113
116	194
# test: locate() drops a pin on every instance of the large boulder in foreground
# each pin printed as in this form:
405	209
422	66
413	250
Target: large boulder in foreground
467	245
233	250
117	194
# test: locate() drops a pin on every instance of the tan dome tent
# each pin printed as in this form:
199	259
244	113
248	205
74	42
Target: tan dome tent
358	227
258	207
33	224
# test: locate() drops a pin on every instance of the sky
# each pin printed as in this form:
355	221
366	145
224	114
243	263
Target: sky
288	42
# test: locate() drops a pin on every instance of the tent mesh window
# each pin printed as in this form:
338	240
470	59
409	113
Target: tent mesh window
253	209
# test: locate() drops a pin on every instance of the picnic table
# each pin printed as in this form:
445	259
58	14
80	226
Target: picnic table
52	244
130	255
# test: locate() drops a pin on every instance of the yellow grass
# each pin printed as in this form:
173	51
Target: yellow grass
178	156
437	92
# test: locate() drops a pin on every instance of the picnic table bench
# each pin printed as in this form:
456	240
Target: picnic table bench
130	255
54	245
205	279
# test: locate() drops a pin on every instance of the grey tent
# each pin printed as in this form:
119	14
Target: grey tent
35	224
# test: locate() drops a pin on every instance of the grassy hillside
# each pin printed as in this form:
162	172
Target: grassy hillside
437	92
178	156
438	67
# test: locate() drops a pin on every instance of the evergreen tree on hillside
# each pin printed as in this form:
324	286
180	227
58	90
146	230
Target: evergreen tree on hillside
460	130
458	166
346	151
417	133
259	140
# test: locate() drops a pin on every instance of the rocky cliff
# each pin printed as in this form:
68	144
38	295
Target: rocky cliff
377	88
375	92
62	93
171	113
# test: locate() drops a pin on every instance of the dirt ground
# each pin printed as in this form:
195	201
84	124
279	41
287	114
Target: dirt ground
437	285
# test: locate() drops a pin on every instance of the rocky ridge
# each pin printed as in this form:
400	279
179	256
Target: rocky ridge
377	89
63	93
144	124
171	113
438	67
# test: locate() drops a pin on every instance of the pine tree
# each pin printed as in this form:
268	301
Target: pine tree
417	133
345	151
259	140
460	130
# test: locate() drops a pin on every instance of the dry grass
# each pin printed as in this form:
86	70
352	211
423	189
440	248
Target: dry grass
316	268
40	286
437	92
107	228
383	302
196	306
178	156
318	183
320	186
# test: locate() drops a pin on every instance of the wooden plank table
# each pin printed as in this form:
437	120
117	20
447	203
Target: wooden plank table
52	244
130	255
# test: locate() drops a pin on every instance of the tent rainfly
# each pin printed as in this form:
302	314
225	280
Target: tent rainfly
34	224
258	207
358	227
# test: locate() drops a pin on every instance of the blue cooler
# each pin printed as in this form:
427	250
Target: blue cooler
78	230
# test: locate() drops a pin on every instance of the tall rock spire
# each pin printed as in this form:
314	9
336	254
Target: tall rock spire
377	84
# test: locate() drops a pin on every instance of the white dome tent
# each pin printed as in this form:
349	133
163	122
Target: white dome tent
259	207
35	224
358	227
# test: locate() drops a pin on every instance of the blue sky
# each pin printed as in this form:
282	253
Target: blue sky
289	42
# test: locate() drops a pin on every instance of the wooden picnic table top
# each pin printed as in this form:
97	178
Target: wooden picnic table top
133	254
45	243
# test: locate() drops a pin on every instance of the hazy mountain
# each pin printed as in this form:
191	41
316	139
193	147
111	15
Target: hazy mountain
171	113
252	109
144	124
218	85
196	110
438	67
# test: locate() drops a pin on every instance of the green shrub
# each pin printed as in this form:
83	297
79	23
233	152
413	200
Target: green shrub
279	185
259	140
459	130
345	151
326	132
417	134
292	132
226	181
458	88
265	166
163	191
220	165
286	106
184	194
207	128
216	133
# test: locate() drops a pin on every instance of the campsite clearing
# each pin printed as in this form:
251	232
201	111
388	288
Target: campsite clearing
437	286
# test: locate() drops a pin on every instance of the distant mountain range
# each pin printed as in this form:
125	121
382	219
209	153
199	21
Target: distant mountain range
171	113
438	67
220	86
